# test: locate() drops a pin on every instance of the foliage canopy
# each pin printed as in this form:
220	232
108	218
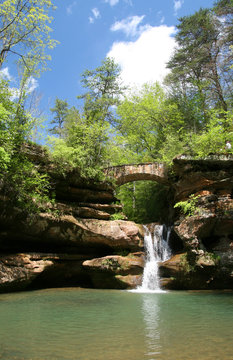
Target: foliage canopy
191	112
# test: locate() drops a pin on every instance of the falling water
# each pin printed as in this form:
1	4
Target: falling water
157	250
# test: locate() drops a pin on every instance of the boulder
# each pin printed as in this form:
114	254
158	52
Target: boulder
116	271
117	264
202	272
129	281
17	271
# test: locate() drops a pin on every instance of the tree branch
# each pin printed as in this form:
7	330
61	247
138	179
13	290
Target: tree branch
14	19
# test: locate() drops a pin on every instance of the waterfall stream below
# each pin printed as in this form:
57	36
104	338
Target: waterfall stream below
156	250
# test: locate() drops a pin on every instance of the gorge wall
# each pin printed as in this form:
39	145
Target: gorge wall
71	243
78	244
204	259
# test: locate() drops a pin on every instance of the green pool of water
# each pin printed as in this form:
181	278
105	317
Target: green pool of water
113	325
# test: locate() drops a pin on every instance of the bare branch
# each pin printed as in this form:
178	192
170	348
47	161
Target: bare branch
22	57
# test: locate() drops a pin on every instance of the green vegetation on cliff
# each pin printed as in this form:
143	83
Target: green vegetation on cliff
190	113
24	34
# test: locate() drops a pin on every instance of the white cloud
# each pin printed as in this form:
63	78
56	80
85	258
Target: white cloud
4	74
129	25
69	9
144	60
177	5
162	20
112	2
115	2
14	93
160	17
31	84
96	15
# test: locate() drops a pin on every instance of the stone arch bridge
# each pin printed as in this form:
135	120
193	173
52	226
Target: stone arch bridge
146	171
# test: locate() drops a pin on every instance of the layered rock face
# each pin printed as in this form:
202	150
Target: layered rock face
52	248
77	244
48	252
206	260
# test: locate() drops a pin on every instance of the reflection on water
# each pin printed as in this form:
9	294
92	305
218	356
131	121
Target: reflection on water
73	324
151	314
188	326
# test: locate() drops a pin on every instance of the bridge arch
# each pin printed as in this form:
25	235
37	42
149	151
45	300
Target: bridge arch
135	172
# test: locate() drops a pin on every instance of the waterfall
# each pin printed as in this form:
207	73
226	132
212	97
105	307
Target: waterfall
156	250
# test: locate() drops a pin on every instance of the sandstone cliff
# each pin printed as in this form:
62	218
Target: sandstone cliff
77	244
205	238
53	248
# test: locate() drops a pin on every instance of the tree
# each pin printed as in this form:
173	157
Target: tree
104	91
224	8
25	32
145	119
21	182
190	100
144	201
213	138
87	132
83	145
91	138
201	60
103	81
60	112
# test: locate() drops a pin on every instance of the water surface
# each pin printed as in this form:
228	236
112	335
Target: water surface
70	324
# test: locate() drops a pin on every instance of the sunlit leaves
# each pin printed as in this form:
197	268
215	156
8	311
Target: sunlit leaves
202	60
145	119
21	182
25	32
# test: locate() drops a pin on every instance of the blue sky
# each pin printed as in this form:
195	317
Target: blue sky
139	34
